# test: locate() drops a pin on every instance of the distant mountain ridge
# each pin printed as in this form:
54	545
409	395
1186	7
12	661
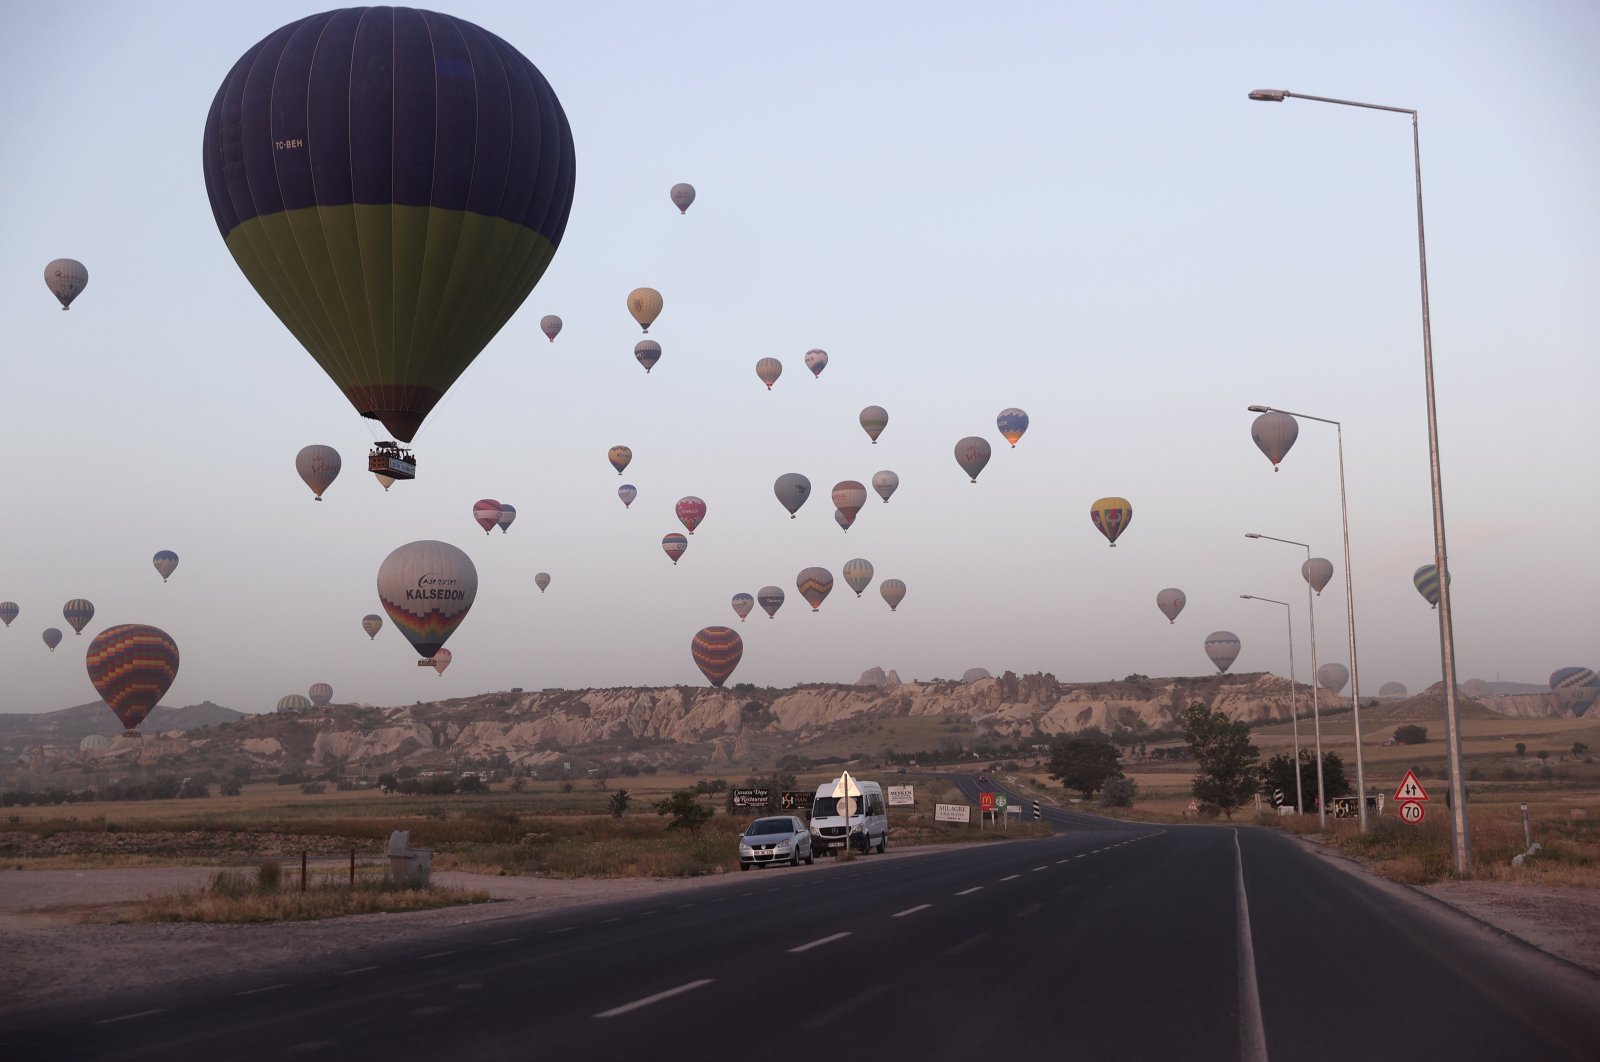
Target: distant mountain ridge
81	720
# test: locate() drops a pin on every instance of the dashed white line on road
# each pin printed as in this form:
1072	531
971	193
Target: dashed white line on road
657	998
1060	861
1037	869
681	906
504	940
1012	877
1080	855
608	921
911	910
258	991
357	970
563	929
969	892
965	944
1032	908
819	942
439	954
130	1017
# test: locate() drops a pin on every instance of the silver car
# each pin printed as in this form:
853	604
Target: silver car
775	839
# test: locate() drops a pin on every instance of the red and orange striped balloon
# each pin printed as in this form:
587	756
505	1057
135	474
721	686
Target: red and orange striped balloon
132	666
717	651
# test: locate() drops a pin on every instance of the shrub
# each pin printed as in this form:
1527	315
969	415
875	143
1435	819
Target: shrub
1119	792
313	788
1411	734
687	812
618	804
231	787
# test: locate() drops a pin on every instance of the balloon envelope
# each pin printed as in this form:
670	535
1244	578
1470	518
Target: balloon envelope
427	588
843	519
647	352
66	278
372	623
1392	691
768	370
1274	434
972	453
78	612
893	591
792	489
319	466
1333	676
645	306
321	694
550	325
619	456
816	361
885	483
441	660
293	703
1012	423
393	183
857	574
682	196
848	497
873	420
166	562
9	611
132	667
1223	648
691	511
52	637
674	545
770	598
384	481
716	652
1171	601
1317	571
486	511
742	604
541	580
508	513
1426	580
1111	517
1573	678
627	492
814	585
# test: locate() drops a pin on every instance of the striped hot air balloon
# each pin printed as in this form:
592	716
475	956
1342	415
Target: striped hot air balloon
372	623
1573	678
550	325
166	562
848	497
427	588
486	511
293	702
321	694
768	370
132	666
393	183
1223	648
508	513
857	574
9	610
647	352
814	585
1426	580
770	598
1111	517
873	420
716	652
78	612
542	581
674	545
893	591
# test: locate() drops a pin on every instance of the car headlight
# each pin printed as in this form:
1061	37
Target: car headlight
744	849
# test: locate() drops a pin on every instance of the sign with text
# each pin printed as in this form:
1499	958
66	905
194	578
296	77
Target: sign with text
900	795
793	801
952	813
985	801
1411	811
751	798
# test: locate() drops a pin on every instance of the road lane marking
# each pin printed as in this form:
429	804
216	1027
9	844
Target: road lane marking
1252	1031
681	906
1080	856
438	954
258	991
1060	861
504	940
1012	877
965	944
1037	869
857	999
608	921
819	942
969	892
357	970
657	998
911	910
563	929
130	1017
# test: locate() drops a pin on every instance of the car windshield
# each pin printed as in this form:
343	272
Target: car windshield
761	826
829	807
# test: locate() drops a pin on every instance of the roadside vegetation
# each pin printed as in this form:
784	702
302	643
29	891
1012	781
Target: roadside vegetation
262	895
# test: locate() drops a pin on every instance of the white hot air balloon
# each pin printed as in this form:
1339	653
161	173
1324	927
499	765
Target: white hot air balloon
1171	601
66	278
858	574
427	588
885	483
319	466
1223	648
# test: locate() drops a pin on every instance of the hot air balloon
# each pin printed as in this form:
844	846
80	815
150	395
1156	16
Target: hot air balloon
792	490
691	511
1426	580
550	325
647	352
393	183
508	513
716	652
816	361
843	519
742	604
541	580
885	483
427	588
319	466
682	196
873	420
293	702
486	511
372	623
1111	517
975	674
1012	423
674	545
1392	691
52	637
619	456
8	612
1171	601
94	743
893	591
441	660
132	667
972	453
1275	433
1317	571
78	612
645	305
814	585
166	563
627	492
1223	648
768	370
857	574
384	481
66	278
1568	678
770	598
1332	677
321	694
848	497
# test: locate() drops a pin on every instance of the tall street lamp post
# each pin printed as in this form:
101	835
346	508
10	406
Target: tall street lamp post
1349	611
1294	713
1316	716
1461	841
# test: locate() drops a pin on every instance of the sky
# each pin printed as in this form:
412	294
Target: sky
1069	208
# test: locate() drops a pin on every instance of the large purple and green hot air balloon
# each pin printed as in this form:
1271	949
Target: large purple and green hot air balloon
132	667
393	183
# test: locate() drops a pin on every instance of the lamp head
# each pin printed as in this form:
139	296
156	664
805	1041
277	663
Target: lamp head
1251	534
1259	409
1247	597
1270	95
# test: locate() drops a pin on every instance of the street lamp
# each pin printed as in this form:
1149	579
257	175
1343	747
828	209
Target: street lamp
1294	713
1349	611
1316	716
1447	646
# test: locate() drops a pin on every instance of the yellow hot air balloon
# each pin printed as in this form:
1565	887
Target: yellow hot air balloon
1111	517
645	305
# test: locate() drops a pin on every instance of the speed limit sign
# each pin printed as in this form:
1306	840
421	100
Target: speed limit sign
1411	811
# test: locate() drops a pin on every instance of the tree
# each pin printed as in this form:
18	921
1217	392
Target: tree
618	804
1119	793
1522	749
1227	763
1277	774
1411	734
1579	750
1543	755
1083	761
687	812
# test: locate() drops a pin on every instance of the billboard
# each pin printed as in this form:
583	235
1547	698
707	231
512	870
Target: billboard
952	812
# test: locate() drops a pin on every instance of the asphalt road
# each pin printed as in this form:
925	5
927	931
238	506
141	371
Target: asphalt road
1120	941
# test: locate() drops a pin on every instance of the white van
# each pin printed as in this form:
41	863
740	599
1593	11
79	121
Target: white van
864	819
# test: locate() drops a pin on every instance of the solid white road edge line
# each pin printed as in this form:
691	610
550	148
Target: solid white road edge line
819	942
657	998
1252	1031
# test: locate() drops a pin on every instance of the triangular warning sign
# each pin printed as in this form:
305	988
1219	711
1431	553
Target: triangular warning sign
1410	788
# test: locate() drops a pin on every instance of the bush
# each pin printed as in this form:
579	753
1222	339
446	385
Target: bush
1411	734
687	812
1119	793
618	804
313	788
231	787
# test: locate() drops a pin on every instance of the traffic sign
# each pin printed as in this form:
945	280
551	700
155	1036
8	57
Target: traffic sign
985	801
1411	789
1411	811
999	800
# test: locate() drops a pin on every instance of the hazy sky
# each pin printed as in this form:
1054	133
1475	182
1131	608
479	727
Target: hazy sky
1070	208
